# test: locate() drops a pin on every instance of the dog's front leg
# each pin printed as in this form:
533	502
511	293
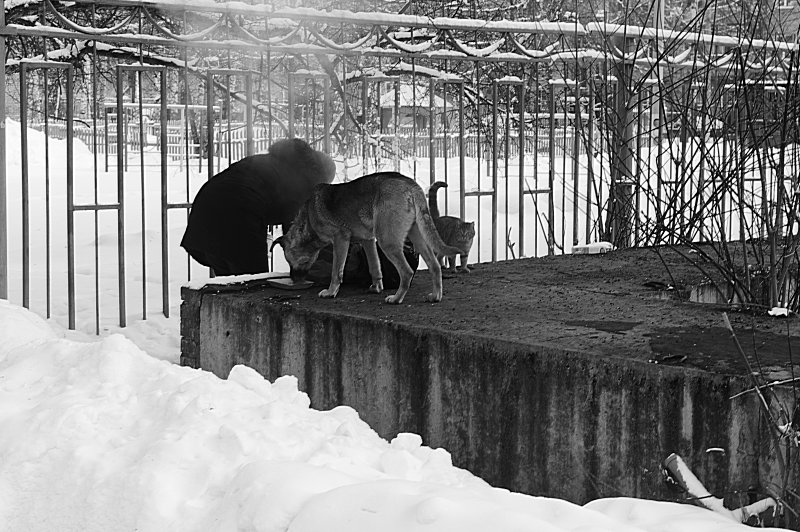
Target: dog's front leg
374	262
340	247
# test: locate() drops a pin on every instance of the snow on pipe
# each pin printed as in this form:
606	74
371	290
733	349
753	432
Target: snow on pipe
683	475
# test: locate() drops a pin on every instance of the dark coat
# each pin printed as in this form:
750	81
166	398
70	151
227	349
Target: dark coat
231	213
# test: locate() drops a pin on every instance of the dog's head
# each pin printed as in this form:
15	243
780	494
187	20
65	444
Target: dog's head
301	246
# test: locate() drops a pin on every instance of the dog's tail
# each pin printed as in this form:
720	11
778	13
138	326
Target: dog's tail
429	231
433	205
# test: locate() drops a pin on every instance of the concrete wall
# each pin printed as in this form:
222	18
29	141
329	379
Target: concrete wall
533	419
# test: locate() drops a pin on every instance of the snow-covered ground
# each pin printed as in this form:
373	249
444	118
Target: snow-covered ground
98	435
106	433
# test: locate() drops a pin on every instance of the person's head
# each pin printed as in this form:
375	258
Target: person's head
314	165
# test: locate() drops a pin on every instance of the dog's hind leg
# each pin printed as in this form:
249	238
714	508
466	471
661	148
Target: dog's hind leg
394	252
374	262
340	247
421	245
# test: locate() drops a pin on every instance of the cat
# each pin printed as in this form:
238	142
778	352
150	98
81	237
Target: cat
454	231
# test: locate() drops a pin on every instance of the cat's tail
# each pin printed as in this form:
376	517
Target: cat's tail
427	227
433	205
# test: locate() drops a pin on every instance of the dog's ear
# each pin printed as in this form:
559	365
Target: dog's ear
278	240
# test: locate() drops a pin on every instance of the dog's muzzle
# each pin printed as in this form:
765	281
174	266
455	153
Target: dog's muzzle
297	275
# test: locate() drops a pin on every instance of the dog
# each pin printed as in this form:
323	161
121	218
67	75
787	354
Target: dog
380	209
231	213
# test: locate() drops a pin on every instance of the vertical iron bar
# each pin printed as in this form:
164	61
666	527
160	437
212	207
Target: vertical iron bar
479	122
269	90
228	143
396	126
551	175
248	114
636	178
121	200
364	140
70	201
308	128
163	133
521	191
462	174
143	197
95	181
379	129
414	118
724	235
536	108
577	128
105	132
565	111
507	149
589	159
494	170
47	223
445	151
326	118
290	104
186	147
431	121
210	122
344	93
26	232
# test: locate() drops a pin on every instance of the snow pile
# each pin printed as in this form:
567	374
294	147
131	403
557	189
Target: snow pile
99	436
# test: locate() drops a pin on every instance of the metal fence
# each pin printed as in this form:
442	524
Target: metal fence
550	135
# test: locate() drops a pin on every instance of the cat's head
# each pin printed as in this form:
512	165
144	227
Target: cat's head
468	229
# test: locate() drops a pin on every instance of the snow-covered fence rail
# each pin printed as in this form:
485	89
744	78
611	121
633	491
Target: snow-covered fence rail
550	134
